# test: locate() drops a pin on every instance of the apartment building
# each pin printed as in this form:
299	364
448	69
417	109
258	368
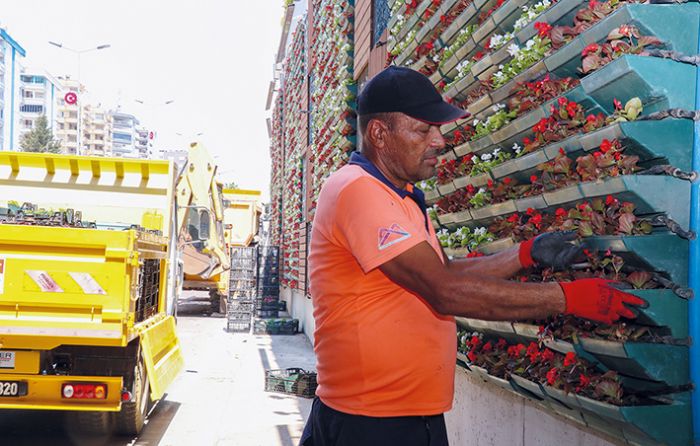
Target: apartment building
68	117
40	93
96	130
10	55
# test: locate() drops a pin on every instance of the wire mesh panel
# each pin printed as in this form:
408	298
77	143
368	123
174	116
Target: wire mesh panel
148	288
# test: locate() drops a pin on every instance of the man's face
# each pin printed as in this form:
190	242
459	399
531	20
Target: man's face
412	148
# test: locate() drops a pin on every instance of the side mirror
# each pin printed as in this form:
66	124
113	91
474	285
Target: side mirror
204	232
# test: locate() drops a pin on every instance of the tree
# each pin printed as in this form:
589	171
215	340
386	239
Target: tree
40	138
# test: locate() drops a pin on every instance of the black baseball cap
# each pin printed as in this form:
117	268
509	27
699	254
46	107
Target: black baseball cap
401	89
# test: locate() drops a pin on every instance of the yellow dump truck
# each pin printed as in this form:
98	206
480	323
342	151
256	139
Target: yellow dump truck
88	286
242	209
206	261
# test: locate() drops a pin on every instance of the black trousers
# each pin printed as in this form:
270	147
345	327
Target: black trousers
328	427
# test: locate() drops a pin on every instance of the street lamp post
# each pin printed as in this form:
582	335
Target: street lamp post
153	106
79	103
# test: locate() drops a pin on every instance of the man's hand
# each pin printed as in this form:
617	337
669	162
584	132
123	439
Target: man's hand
551	249
595	299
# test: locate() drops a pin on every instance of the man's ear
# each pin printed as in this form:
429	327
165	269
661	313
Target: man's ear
377	131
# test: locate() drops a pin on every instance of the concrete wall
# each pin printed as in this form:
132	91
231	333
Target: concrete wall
483	414
299	307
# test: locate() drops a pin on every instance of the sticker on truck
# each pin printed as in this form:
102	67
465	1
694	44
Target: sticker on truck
87	283
2	275
7	360
45	281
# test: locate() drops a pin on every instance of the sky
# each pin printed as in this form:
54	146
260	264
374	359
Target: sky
213	58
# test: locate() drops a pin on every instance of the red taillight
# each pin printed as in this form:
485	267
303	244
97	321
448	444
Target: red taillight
126	395
77	391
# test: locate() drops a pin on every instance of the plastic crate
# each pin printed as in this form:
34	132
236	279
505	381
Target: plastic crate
270	303
267	313
238	326
236	306
243	253
268	251
292	381
276	326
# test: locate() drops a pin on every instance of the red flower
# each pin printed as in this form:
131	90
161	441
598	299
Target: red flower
562	101
523	279
571	108
608	253
530	211
533	352
583	380
475	341
570	359
540	127
471	356
593	47
587	253
605	146
457	135
489	184
501	344
506	181
488	347
540	329
552	376
591	119
561	151
526	141
533	178
617	156
592	4
547	355
618	104
443	19
512	219
515	351
474	254
470	189
597	154
610	200
543	29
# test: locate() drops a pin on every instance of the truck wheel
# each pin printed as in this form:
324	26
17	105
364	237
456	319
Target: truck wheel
131	418
92	423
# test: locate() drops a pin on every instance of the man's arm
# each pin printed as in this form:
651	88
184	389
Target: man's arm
470	292
502	265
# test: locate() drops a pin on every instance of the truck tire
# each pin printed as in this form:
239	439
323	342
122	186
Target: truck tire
131	418
92	423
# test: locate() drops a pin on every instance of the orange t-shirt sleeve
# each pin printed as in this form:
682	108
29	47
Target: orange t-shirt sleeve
372	223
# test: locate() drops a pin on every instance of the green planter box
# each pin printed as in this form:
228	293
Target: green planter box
662	252
653	362
665	310
663	142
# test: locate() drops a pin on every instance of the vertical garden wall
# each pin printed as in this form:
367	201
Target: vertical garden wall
578	123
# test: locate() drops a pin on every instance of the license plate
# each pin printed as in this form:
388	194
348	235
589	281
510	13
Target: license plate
13	388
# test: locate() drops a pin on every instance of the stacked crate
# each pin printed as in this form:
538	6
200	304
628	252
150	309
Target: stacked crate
267	302
242	289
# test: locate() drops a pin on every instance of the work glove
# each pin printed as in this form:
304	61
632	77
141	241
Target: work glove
551	249
597	300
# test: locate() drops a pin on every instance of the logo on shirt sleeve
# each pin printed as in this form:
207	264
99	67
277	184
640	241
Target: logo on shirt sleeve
391	235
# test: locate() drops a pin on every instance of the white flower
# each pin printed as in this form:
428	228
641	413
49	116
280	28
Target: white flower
518	150
475	122
495	108
516	147
500	67
499	75
496	151
486	157
513	49
436	58
481	190
530	43
501	106
496	39
480	231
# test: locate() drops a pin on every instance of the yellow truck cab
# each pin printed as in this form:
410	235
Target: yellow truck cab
87	304
242	210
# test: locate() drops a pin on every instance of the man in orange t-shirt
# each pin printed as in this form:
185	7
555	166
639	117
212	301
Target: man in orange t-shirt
384	292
